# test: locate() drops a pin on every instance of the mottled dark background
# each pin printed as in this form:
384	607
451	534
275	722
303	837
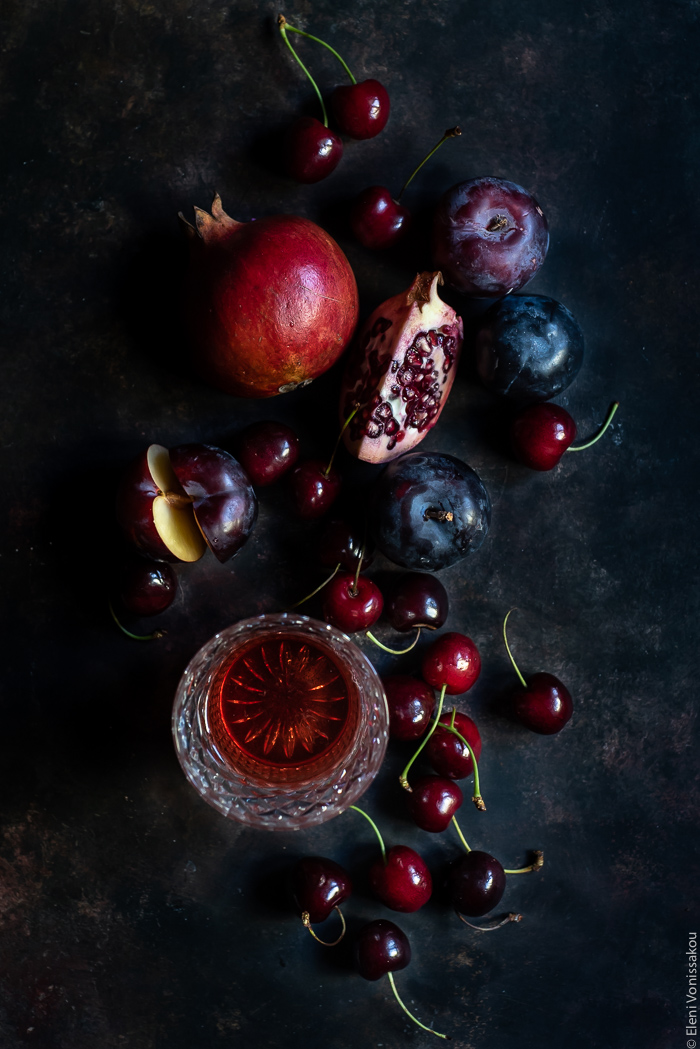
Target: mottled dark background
131	913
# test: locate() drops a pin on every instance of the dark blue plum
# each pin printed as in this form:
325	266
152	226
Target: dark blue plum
428	511
529	348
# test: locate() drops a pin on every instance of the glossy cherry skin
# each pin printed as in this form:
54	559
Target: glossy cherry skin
266	450
452	660
446	752
341	544
361	110
349	607
476	883
541	434
377	220
403	883
545	705
146	588
312	491
318	885
381	947
312	151
417	600
433	802
411	703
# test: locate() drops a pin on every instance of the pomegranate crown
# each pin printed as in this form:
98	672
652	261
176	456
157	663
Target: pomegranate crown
424	288
209	227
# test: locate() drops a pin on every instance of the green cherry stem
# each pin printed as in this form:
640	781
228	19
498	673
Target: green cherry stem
317	590
410	1015
375	828
283	26
452	132
393	651
536	865
611	412
134	637
459	832
403	778
318	40
477	798
523	682
344	427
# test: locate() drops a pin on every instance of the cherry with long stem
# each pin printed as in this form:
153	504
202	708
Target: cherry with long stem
403	778
400	879
545	706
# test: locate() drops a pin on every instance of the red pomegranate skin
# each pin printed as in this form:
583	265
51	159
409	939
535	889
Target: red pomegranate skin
272	303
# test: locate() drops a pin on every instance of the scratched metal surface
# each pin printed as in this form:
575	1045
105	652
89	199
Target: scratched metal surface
131	913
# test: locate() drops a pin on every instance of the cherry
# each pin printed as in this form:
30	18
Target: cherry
311	150
352	602
314	487
361	110
543	432
411	703
382	948
377	219
146	588
476	883
318	887
417	600
343	545
447	753
546	704
453	661
402	882
433	802
266	450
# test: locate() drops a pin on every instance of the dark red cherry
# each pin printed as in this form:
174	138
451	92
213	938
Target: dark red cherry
381	948
452	660
266	450
417	600
541	434
318	885
377	220
146	588
311	150
351	607
342	544
411	703
433	802
314	491
446	752
476	883
403	883
361	110
545	705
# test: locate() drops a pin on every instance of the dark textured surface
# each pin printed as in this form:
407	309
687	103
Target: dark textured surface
131	913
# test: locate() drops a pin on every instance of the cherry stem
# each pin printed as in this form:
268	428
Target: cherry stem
393	651
135	637
611	412
461	836
318	40
333	943
523	682
403	779
344	427
359	566
410	1015
318	588
536	865
477	799
492	925
452	132
375	828
282	23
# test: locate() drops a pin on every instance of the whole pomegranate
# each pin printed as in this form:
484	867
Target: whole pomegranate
401	372
271	303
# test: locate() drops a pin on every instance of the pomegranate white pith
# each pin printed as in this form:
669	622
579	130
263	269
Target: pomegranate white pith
401	372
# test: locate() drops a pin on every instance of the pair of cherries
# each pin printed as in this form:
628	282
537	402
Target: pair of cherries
361	110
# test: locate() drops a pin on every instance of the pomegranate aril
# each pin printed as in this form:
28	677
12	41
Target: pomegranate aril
391	428
374	429
384	411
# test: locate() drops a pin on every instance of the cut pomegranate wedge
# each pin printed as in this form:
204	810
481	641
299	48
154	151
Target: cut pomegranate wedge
401	372
172	505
